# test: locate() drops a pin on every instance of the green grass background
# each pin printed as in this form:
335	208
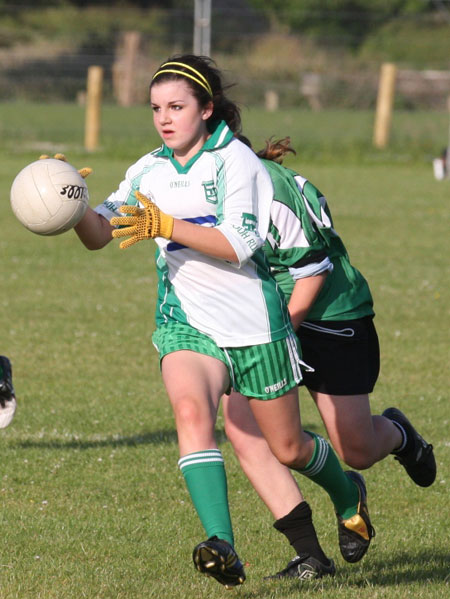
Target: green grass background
91	501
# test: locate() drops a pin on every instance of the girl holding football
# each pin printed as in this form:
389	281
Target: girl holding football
221	321
331	309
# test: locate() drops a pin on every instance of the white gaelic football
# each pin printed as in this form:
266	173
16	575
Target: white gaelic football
49	196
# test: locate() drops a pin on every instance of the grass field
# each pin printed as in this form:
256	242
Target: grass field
91	501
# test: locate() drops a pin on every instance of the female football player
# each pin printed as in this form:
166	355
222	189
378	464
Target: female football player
331	309
221	321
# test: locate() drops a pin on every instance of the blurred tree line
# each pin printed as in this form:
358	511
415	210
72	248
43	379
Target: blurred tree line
347	21
331	49
332	22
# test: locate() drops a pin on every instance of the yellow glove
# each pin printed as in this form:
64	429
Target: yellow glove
84	172
144	223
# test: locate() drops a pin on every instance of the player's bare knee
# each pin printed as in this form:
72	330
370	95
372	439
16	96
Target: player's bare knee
358	458
293	455
187	412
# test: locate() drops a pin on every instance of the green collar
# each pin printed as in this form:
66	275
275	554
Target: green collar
221	136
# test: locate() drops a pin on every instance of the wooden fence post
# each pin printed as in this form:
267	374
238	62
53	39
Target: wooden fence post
271	100
447	153
385	102
125	68
93	107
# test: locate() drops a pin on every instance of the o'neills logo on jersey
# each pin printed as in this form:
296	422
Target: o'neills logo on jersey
179	184
210	191
276	386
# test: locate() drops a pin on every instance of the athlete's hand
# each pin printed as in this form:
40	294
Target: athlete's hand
84	172
142	223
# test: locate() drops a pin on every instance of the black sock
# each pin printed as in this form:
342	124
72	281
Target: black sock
298	528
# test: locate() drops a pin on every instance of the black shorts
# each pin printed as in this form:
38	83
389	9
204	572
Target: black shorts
345	355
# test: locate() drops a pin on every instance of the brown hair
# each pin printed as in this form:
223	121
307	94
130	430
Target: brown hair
224	109
276	150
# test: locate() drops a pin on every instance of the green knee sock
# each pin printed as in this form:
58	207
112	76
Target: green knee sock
204	473
325	469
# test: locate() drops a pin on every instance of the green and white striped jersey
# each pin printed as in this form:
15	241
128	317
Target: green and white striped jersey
302	242
223	186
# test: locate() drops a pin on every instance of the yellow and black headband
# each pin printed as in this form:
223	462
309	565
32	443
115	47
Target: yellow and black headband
196	76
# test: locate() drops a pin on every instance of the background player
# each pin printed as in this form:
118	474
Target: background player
331	308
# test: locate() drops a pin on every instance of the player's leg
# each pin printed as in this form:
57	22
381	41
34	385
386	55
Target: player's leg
272	369
8	402
359	438
346	489
303	451
269	371
346	358
195	383
256	460
276	486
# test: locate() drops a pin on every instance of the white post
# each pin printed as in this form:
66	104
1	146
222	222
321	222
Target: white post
202	27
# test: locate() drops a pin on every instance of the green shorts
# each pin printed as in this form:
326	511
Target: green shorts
262	371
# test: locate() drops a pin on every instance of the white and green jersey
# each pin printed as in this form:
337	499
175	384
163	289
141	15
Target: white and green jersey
223	186
302	242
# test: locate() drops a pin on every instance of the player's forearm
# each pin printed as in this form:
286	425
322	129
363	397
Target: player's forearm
94	230
207	240
303	297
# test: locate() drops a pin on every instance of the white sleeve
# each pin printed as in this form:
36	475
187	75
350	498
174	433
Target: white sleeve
123	195
312	269
247	201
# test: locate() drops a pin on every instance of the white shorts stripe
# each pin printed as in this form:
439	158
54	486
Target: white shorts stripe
294	358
